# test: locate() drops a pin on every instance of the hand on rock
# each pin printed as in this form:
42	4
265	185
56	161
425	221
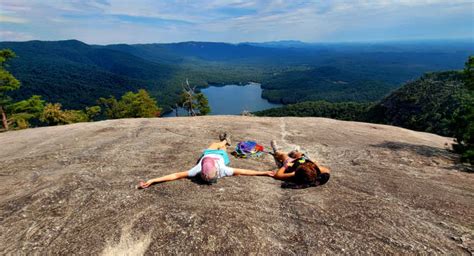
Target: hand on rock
143	185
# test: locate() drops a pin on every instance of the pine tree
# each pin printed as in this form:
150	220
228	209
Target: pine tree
464	118
7	83
22	112
139	104
53	115
195	103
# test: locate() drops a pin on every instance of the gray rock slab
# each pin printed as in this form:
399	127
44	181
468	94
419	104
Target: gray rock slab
70	190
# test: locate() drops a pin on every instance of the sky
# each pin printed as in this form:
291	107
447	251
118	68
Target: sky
158	21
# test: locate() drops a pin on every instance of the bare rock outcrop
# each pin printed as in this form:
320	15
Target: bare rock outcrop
70	190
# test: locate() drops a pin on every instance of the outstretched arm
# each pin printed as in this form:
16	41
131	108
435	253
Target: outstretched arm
324	169
246	172
281	175
169	177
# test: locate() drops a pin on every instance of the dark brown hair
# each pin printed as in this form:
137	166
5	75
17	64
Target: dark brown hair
307	174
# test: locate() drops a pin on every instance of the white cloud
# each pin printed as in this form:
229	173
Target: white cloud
8	19
234	20
14	36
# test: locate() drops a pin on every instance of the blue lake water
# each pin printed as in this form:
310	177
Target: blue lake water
233	99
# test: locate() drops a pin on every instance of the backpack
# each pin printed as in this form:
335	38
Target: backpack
248	149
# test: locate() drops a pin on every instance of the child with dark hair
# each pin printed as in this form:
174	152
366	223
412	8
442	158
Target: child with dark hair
211	165
297	170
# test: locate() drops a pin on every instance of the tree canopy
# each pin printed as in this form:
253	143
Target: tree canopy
131	105
464	117
22	112
7	83
195	103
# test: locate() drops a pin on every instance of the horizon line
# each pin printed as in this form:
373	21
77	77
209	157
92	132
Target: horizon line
266	42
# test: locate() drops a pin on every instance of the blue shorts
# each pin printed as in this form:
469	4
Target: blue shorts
218	152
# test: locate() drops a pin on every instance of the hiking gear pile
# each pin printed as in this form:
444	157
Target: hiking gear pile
248	149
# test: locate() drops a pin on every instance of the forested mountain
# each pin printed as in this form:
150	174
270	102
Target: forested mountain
362	72
325	83
426	104
77	74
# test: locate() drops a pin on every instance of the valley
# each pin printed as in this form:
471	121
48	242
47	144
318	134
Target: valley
76	74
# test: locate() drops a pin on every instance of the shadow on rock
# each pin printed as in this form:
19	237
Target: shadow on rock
444	155
198	180
421	150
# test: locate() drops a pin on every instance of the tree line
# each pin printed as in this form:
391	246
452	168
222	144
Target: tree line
464	116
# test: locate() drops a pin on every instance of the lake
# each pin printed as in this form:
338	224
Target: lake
233	99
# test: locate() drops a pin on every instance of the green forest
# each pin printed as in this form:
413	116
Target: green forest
76	74
34	111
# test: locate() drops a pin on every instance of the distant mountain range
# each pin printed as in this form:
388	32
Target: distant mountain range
77	74
282	44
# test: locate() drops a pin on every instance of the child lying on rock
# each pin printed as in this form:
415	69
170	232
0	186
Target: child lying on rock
211	166
297	170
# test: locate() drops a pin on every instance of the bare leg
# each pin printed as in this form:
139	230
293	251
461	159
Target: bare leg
295	154
280	158
221	145
218	145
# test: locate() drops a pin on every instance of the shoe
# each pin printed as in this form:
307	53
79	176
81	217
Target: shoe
226	137
274	146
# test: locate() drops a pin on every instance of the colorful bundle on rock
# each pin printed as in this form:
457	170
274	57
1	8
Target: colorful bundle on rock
246	149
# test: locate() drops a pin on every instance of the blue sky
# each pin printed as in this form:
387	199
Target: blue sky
152	21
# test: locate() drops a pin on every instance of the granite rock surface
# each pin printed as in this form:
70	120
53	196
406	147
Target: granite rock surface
70	190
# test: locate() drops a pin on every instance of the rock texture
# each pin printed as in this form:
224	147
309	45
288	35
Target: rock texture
69	190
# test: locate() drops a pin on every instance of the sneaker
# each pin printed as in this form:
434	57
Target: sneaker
274	146
226	137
